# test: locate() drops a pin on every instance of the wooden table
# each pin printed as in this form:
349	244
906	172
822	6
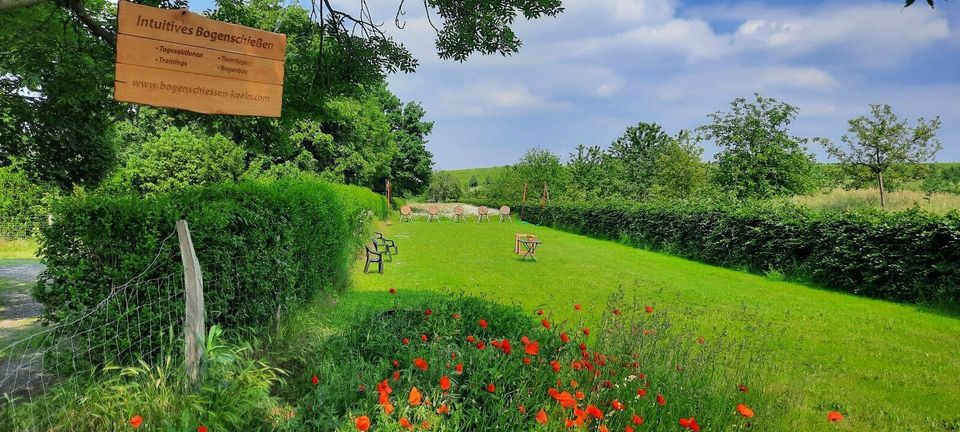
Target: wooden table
530	246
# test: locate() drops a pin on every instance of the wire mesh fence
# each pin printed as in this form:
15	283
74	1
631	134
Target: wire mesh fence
47	362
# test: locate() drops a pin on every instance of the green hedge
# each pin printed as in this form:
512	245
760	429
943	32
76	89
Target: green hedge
907	256
259	245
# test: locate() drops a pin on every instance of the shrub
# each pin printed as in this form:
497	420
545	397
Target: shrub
908	256
371	368
261	246
23	206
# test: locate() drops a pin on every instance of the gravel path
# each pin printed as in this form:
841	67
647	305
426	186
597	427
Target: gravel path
21	272
21	371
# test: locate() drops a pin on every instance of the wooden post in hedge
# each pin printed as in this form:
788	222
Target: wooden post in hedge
194	330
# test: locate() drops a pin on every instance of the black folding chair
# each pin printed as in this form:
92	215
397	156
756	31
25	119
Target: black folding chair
381	247
389	243
373	257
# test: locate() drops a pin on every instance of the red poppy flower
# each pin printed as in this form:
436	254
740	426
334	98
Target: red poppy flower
627	429
617	405
425	425
574	383
393	290
649	309
603	428
491	388
545	323
661	400
637	420
396	375
458	368
526	360
388	408
522	409
424	337
428	312
406	341
384	387
396	363
539	311
742	388
136	421
701	340
690	423
443	409
444	383
555	365
616	312
505	346
564	337
315	380
641	392
471	339
594	412
586	331
363	423
456	316
834	416
583	346
577	306
483	323
203	428
420	363
542	417
744	410
404	423
566	399
532	348
579	395
415	398
481	345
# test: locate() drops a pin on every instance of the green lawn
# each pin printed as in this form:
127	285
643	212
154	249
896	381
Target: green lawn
18	249
886	366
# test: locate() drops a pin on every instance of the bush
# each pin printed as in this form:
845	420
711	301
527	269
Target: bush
23	204
909	256
631	351
260	245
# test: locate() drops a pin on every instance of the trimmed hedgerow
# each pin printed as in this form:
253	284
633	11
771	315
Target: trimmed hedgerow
907	256
259	245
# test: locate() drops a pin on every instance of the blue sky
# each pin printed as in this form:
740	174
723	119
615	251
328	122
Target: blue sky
584	76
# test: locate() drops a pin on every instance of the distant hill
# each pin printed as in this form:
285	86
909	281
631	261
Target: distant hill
463	175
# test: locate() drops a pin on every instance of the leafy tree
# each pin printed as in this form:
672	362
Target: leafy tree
885	141
588	173
758	157
176	159
680	173
633	158
443	188
412	166
473	182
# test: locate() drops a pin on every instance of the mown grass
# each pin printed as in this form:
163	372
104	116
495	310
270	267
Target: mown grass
18	249
463	175
886	366
841	199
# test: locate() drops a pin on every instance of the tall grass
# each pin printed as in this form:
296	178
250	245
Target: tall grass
841	199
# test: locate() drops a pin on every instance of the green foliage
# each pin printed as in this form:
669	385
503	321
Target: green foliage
23	204
906	256
631	162
679	172
374	341
235	394
758	157
536	168
179	158
443	188
412	166
877	145
262	245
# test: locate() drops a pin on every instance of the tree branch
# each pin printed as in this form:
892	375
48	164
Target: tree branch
76	6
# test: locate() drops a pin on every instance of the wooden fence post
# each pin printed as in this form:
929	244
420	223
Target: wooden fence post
194	330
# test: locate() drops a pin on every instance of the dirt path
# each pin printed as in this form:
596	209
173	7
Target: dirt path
20	366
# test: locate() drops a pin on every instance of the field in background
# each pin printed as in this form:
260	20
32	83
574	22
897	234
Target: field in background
840	199
18	249
886	366
463	175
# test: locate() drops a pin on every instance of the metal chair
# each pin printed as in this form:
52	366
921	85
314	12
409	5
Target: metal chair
389	243
432	213
482	213
405	213
373	257
505	212
458	214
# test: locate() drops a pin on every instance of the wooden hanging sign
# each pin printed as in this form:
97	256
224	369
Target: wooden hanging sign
178	59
